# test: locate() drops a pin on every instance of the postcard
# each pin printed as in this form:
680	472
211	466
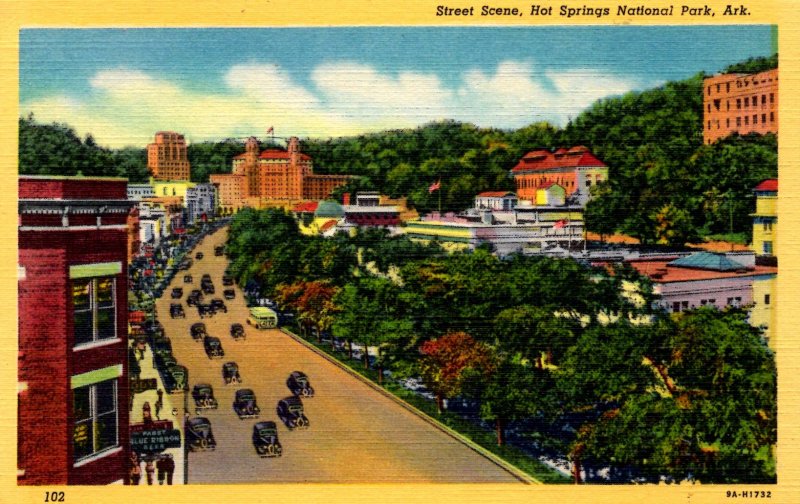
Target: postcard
492	253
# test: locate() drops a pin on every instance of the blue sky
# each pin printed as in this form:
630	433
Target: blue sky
122	85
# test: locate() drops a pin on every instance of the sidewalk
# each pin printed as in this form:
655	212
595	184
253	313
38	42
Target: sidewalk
172	402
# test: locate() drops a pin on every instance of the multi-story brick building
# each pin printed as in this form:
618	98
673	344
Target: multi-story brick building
273	175
576	170
167	157
740	103
72	361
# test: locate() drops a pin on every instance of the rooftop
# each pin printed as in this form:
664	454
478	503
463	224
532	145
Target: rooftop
496	194
767	185
542	159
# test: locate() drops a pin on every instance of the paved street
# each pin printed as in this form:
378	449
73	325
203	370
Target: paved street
356	434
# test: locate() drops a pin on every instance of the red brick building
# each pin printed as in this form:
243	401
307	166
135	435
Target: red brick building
740	103
274	174
575	169
167	157
72	364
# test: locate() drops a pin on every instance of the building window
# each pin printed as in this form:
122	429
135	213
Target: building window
728	104
728	122
738	121
766	299
709	124
772	97
94	308
772	117
709	107
95	412
746	120
703	302
763	99
684	305
738	103
767	226
712	301
767	248
717	88
763	118
755	118
746	102
676	307
709	90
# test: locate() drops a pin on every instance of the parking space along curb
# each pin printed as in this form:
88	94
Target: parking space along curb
510	468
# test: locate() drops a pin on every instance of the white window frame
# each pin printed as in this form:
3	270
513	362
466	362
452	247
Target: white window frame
94	308
92	420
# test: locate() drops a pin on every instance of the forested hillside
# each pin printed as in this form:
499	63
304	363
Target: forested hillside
665	185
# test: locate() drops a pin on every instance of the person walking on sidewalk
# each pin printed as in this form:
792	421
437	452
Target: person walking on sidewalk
149	469
161	469
159	403
169	468
136	470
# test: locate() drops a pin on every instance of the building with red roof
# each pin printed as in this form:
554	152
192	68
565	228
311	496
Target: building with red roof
273	175
765	219
575	169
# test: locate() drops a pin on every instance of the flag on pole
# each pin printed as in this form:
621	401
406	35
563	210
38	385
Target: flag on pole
560	223
436	185
270	130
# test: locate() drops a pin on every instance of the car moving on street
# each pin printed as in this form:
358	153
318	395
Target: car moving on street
199	436
230	373
218	305
198	330
290	411
203	396
176	311
213	347
237	331
245	404
229	294
265	440
299	385
262	318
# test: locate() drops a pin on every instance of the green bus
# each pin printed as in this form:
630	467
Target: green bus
262	318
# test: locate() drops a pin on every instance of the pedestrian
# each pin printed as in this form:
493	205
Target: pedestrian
159	404
161	470
169	467
136	470
149	469
147	418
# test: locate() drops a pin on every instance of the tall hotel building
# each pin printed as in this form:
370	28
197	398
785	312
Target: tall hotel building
72	391
167	157
740	103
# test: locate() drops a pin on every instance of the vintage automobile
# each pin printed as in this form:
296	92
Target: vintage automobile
265	440
174	378
290	411
195	297
227	280
208	287
203	396
245	404
237	331
198	255
219	250
205	310
188	279
176	311
153	327
206	278
162	362
299	385
219	305
230	373
198	330
160	345
199	436
213	347
229	294
177	293
186	264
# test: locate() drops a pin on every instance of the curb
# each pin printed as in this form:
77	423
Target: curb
508	467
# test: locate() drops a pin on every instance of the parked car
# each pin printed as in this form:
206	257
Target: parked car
205	310
219	250
206	278
229	294
227	280
213	347
208	287
176	311
160	345
265	440
198	330
198	255
177	293
195	297
199	436
290	411
245	404
219	305
188	279
299	385
230	373
203	396
237	331
174	379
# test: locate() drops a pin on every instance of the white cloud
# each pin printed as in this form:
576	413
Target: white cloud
126	107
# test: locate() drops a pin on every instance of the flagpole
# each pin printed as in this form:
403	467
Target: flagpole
440	198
